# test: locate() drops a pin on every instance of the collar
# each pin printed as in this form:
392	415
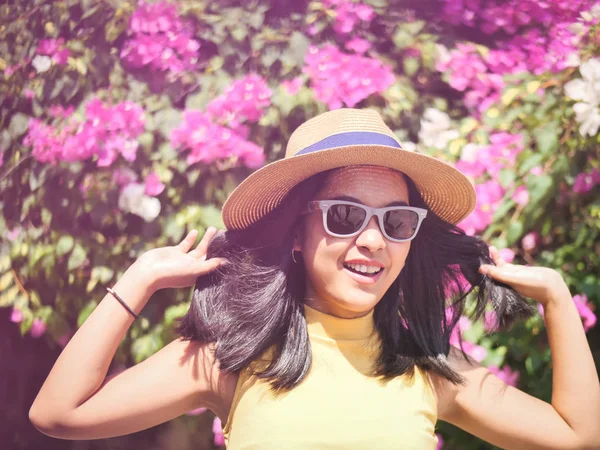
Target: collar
337	328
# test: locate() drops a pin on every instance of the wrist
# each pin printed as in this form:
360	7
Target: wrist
145	274
558	295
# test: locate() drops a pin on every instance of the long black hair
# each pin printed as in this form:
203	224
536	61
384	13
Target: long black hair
254	304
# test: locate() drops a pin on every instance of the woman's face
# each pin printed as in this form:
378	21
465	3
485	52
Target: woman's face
331	286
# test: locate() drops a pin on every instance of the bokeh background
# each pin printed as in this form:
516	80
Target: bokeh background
123	124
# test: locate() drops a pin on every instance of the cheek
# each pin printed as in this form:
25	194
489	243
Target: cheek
398	254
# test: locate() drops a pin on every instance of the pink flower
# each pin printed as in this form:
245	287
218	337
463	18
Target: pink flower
159	39
13	234
16	316
349	14
341	79
153	185
38	328
506	374
490	321
521	196
106	132
586	181
586	313
358	45
507	254
54	48
208	142
489	196
530	241
245	100
219	439
440	443
123	176
292	86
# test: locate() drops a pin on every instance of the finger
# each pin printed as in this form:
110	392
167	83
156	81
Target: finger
202	247
212	264
497	256
497	273
188	240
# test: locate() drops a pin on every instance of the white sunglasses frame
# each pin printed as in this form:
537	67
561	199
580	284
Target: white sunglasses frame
324	206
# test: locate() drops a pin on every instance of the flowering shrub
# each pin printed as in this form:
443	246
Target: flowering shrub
126	123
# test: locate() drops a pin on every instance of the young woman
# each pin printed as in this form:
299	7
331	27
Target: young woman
322	317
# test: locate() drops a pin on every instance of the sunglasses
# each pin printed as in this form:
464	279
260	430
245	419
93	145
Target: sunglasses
347	219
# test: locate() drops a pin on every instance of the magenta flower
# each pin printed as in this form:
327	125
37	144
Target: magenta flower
54	48
586	181
160	40
506	374
507	254
440	442
341	79
358	45
38	328
489	196
292	87
154	186
348	14
245	100
106	132
219	439
208	142
585	312
521	196
530	241
16	316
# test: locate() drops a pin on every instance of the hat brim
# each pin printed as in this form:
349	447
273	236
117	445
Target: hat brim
446	191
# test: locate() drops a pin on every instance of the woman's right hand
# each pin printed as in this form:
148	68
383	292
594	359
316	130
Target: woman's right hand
178	267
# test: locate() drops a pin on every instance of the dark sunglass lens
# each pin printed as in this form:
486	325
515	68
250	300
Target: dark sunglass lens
345	219
401	224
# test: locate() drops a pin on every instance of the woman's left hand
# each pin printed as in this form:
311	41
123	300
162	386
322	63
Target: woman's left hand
541	284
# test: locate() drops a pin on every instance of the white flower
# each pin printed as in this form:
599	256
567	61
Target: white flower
588	117
469	152
41	63
134	201
587	91
410	146
435	129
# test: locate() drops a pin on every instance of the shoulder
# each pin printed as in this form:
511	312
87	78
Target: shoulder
219	386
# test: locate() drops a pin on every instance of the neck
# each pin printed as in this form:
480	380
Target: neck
322	324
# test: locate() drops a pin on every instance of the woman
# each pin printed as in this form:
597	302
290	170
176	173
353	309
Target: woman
322	317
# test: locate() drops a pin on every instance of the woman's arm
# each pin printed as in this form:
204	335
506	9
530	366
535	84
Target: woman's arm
512	419
78	402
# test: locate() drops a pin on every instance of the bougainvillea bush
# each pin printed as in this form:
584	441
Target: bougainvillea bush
124	124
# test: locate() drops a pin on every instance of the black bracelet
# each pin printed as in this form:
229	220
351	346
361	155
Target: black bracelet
122	302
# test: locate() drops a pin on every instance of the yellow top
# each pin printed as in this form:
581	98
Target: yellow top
337	405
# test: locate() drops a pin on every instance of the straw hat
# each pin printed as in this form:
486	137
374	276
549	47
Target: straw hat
341	138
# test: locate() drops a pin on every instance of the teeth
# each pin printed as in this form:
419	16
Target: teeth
363	268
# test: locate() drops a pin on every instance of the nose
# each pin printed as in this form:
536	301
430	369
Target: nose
371	237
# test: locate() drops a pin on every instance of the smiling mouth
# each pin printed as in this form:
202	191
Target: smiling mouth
361	269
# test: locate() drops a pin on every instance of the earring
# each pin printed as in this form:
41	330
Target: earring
294	257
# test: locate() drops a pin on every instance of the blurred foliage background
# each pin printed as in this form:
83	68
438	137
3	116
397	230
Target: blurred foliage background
124	124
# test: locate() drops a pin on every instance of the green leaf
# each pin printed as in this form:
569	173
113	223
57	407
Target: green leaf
6	280
77	257
146	346
507	178
211	217
411	66
18	125
85	312
514	232
538	188
298	46
175	312
8	297
532	161
546	138
102	273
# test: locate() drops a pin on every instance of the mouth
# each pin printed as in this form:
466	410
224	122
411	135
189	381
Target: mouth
363	273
